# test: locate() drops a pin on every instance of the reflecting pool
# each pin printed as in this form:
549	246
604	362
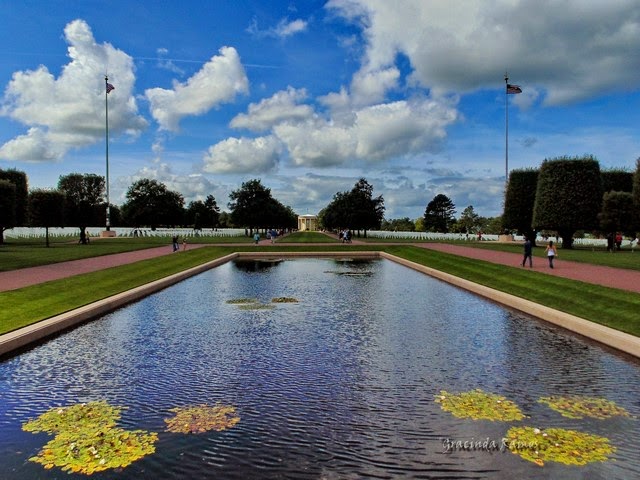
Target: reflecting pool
337	382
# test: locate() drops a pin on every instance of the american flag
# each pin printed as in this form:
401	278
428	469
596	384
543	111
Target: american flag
109	87
513	88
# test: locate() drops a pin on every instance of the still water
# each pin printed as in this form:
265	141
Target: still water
340	385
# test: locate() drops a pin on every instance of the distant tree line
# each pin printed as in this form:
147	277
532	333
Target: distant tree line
571	194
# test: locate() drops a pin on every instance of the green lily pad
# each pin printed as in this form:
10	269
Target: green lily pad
284	300
91	450
74	417
558	445
479	405
87	439
575	406
239	301
202	418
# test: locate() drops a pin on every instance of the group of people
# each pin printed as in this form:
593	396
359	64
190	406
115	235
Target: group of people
176	245
550	251
345	236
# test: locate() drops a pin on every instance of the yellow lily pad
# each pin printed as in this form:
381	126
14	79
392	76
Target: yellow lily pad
575	406
74	417
479	405
87	439
284	300
569	447
202	418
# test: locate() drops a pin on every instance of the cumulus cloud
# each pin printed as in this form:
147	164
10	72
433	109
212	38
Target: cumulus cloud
467	45
282	107
68	112
219	81
243	155
377	133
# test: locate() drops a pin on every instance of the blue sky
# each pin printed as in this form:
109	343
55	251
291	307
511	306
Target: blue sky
309	96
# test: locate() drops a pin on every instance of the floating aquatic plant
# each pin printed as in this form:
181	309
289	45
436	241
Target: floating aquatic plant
74	417
202	418
479	405
575	406
558	445
238	301
92	450
284	300
87	439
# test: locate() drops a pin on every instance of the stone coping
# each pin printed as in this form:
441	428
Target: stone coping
21	338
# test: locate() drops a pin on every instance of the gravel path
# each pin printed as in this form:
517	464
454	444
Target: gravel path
611	277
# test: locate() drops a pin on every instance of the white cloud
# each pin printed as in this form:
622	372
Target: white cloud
377	133
68	112
243	155
467	45
219	81
282	107
284	29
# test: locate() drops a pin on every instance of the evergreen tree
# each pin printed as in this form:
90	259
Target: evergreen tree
519	201
439	214
46	209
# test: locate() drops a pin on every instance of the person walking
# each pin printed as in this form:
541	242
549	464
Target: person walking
551	252
527	252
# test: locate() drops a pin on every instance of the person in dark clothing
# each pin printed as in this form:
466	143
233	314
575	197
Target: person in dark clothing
527	252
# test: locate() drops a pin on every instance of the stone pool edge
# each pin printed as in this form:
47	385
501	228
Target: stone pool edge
22	337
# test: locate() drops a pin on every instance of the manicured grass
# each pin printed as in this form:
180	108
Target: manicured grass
615	308
16	254
307	237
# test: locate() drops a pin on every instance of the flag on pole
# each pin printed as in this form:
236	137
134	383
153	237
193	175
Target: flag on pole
110	87
513	88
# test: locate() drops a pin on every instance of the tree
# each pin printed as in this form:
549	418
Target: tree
368	212
248	203
7	207
196	214
19	179
84	197
46	209
419	223
439	214
568	196
149	202
616	180
214	211
519	202
636	196
398	225
469	220
617	212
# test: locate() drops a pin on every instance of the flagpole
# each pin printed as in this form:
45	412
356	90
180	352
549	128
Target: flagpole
106	119
506	130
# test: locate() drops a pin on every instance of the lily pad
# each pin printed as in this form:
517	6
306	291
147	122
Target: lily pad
558	445
74	417
87	439
91	450
575	406
284	300
202	418
479	405
239	301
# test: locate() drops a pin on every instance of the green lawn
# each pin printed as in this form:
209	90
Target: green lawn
16	254
308	237
615	308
